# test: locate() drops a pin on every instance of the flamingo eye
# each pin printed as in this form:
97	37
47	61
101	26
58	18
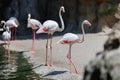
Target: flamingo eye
45	29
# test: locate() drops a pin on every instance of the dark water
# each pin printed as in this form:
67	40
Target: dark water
18	68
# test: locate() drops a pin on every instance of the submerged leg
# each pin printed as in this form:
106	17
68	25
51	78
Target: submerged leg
9	51
6	55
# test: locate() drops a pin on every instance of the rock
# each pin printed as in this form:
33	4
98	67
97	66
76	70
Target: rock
113	41
106	65
117	15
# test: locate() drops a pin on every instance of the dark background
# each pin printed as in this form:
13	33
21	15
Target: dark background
98	12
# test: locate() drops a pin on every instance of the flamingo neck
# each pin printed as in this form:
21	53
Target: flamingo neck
7	29
29	16
83	31
3	22
62	23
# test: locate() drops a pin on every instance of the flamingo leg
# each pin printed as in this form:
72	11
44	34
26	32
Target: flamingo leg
76	71
11	33
51	50
46	64
33	41
71	62
69	57
14	33
70	66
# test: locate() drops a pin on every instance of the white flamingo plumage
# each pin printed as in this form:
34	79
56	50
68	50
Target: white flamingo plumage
50	27
70	39
11	23
6	36
34	25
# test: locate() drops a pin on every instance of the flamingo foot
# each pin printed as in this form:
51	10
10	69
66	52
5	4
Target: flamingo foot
76	71
46	64
69	57
32	51
51	65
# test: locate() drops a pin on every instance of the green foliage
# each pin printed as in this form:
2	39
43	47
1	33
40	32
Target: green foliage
110	11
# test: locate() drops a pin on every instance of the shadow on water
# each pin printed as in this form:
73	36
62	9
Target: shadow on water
17	69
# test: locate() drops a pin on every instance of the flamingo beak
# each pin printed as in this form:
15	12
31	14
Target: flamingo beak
16	25
39	31
63	9
89	24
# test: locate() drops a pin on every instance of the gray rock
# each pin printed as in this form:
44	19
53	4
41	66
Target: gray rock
106	65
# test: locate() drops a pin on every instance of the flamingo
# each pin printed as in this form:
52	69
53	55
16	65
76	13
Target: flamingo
50	27
6	36
14	27
11	23
34	25
70	39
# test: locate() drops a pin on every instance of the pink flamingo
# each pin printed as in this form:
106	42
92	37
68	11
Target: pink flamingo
70	38
34	25
6	36
50	27
13	28
11	23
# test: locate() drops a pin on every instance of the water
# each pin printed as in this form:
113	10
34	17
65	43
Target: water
17	69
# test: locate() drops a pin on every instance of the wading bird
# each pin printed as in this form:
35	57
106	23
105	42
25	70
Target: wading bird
70	39
6	36
34	25
12	23
50	27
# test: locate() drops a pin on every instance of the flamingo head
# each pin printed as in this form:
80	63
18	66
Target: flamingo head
14	24
87	23
29	15
62	9
15	20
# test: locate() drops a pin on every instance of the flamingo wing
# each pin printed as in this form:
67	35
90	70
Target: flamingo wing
11	23
34	23
69	38
51	25
16	21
